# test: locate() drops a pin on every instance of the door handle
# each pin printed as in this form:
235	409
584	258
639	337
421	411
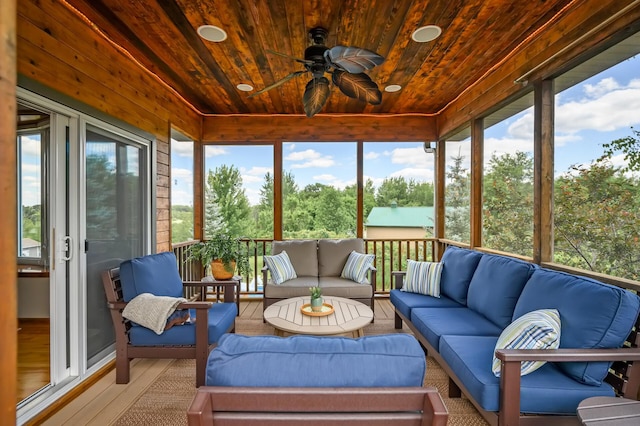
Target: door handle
67	248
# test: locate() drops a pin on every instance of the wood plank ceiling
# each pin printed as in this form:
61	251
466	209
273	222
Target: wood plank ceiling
162	36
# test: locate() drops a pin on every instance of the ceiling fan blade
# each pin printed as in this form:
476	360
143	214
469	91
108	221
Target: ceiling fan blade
278	83
315	95
302	61
358	86
352	59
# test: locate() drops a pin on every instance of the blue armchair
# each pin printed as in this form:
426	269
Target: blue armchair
158	274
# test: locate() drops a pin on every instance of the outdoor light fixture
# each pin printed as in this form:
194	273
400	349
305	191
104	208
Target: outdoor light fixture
212	33
426	33
430	147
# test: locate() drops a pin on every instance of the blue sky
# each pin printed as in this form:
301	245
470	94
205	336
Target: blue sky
595	111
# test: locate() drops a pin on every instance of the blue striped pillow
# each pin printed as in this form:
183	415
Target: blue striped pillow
357	266
423	278
280	267
534	330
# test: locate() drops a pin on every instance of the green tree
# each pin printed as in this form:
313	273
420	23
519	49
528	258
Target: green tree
597	218
457	199
393	189
225	199
508	203
420	193
629	146
181	223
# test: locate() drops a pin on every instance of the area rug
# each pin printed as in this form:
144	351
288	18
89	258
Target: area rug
166	400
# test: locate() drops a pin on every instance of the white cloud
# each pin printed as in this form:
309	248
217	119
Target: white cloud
181	186
310	158
601	88
415	173
411	156
601	110
182	149
371	155
377	181
30	146
214	151
307	154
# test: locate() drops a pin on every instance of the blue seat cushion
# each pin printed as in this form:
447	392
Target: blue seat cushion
496	286
309	361
222	317
592	314
156	274
545	391
404	301
434	323
458	266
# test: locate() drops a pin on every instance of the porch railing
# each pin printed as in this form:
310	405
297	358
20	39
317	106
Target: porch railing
390	255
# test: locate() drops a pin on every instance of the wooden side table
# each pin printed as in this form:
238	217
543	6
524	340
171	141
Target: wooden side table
609	411
226	289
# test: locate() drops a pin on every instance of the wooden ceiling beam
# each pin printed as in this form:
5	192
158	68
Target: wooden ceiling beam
374	128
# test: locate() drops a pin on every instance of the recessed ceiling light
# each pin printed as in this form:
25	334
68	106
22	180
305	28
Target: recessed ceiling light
245	87
392	88
212	33
426	33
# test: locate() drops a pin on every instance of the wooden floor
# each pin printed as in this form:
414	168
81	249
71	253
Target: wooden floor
33	356
104	402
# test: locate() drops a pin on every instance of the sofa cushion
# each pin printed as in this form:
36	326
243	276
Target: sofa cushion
534	330
292	288
546	391
221	317
404	302
458	266
342	287
435	323
333	254
423	278
302	253
280	267
593	315
357	266
156	274
308	361
496	286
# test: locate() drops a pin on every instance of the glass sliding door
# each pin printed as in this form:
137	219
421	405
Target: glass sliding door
116	225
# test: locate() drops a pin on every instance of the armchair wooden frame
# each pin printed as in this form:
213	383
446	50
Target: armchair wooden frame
125	351
266	406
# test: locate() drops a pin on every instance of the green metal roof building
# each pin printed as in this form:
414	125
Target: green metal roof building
396	222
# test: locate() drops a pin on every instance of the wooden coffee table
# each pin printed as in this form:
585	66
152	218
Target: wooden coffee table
349	316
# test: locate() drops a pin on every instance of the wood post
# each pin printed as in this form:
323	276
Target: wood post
8	219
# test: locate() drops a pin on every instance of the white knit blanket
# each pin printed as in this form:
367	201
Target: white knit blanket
151	311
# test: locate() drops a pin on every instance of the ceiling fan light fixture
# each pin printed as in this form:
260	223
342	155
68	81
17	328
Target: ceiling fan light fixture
212	33
426	33
244	87
393	88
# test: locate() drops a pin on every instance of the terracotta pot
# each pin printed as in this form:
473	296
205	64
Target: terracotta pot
219	272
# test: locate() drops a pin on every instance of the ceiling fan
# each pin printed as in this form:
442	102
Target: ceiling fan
346	64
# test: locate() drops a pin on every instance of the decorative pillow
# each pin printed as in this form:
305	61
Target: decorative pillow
280	267
534	330
356	266
178	317
423	278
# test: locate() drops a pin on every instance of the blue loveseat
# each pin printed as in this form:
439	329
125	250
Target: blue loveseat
480	295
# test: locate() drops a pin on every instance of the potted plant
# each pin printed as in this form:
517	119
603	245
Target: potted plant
224	254
316	299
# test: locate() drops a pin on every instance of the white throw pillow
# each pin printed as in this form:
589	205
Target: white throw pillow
356	266
534	330
423	278
280	267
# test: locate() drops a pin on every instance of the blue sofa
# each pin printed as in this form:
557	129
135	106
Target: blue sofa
480	295
317	380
